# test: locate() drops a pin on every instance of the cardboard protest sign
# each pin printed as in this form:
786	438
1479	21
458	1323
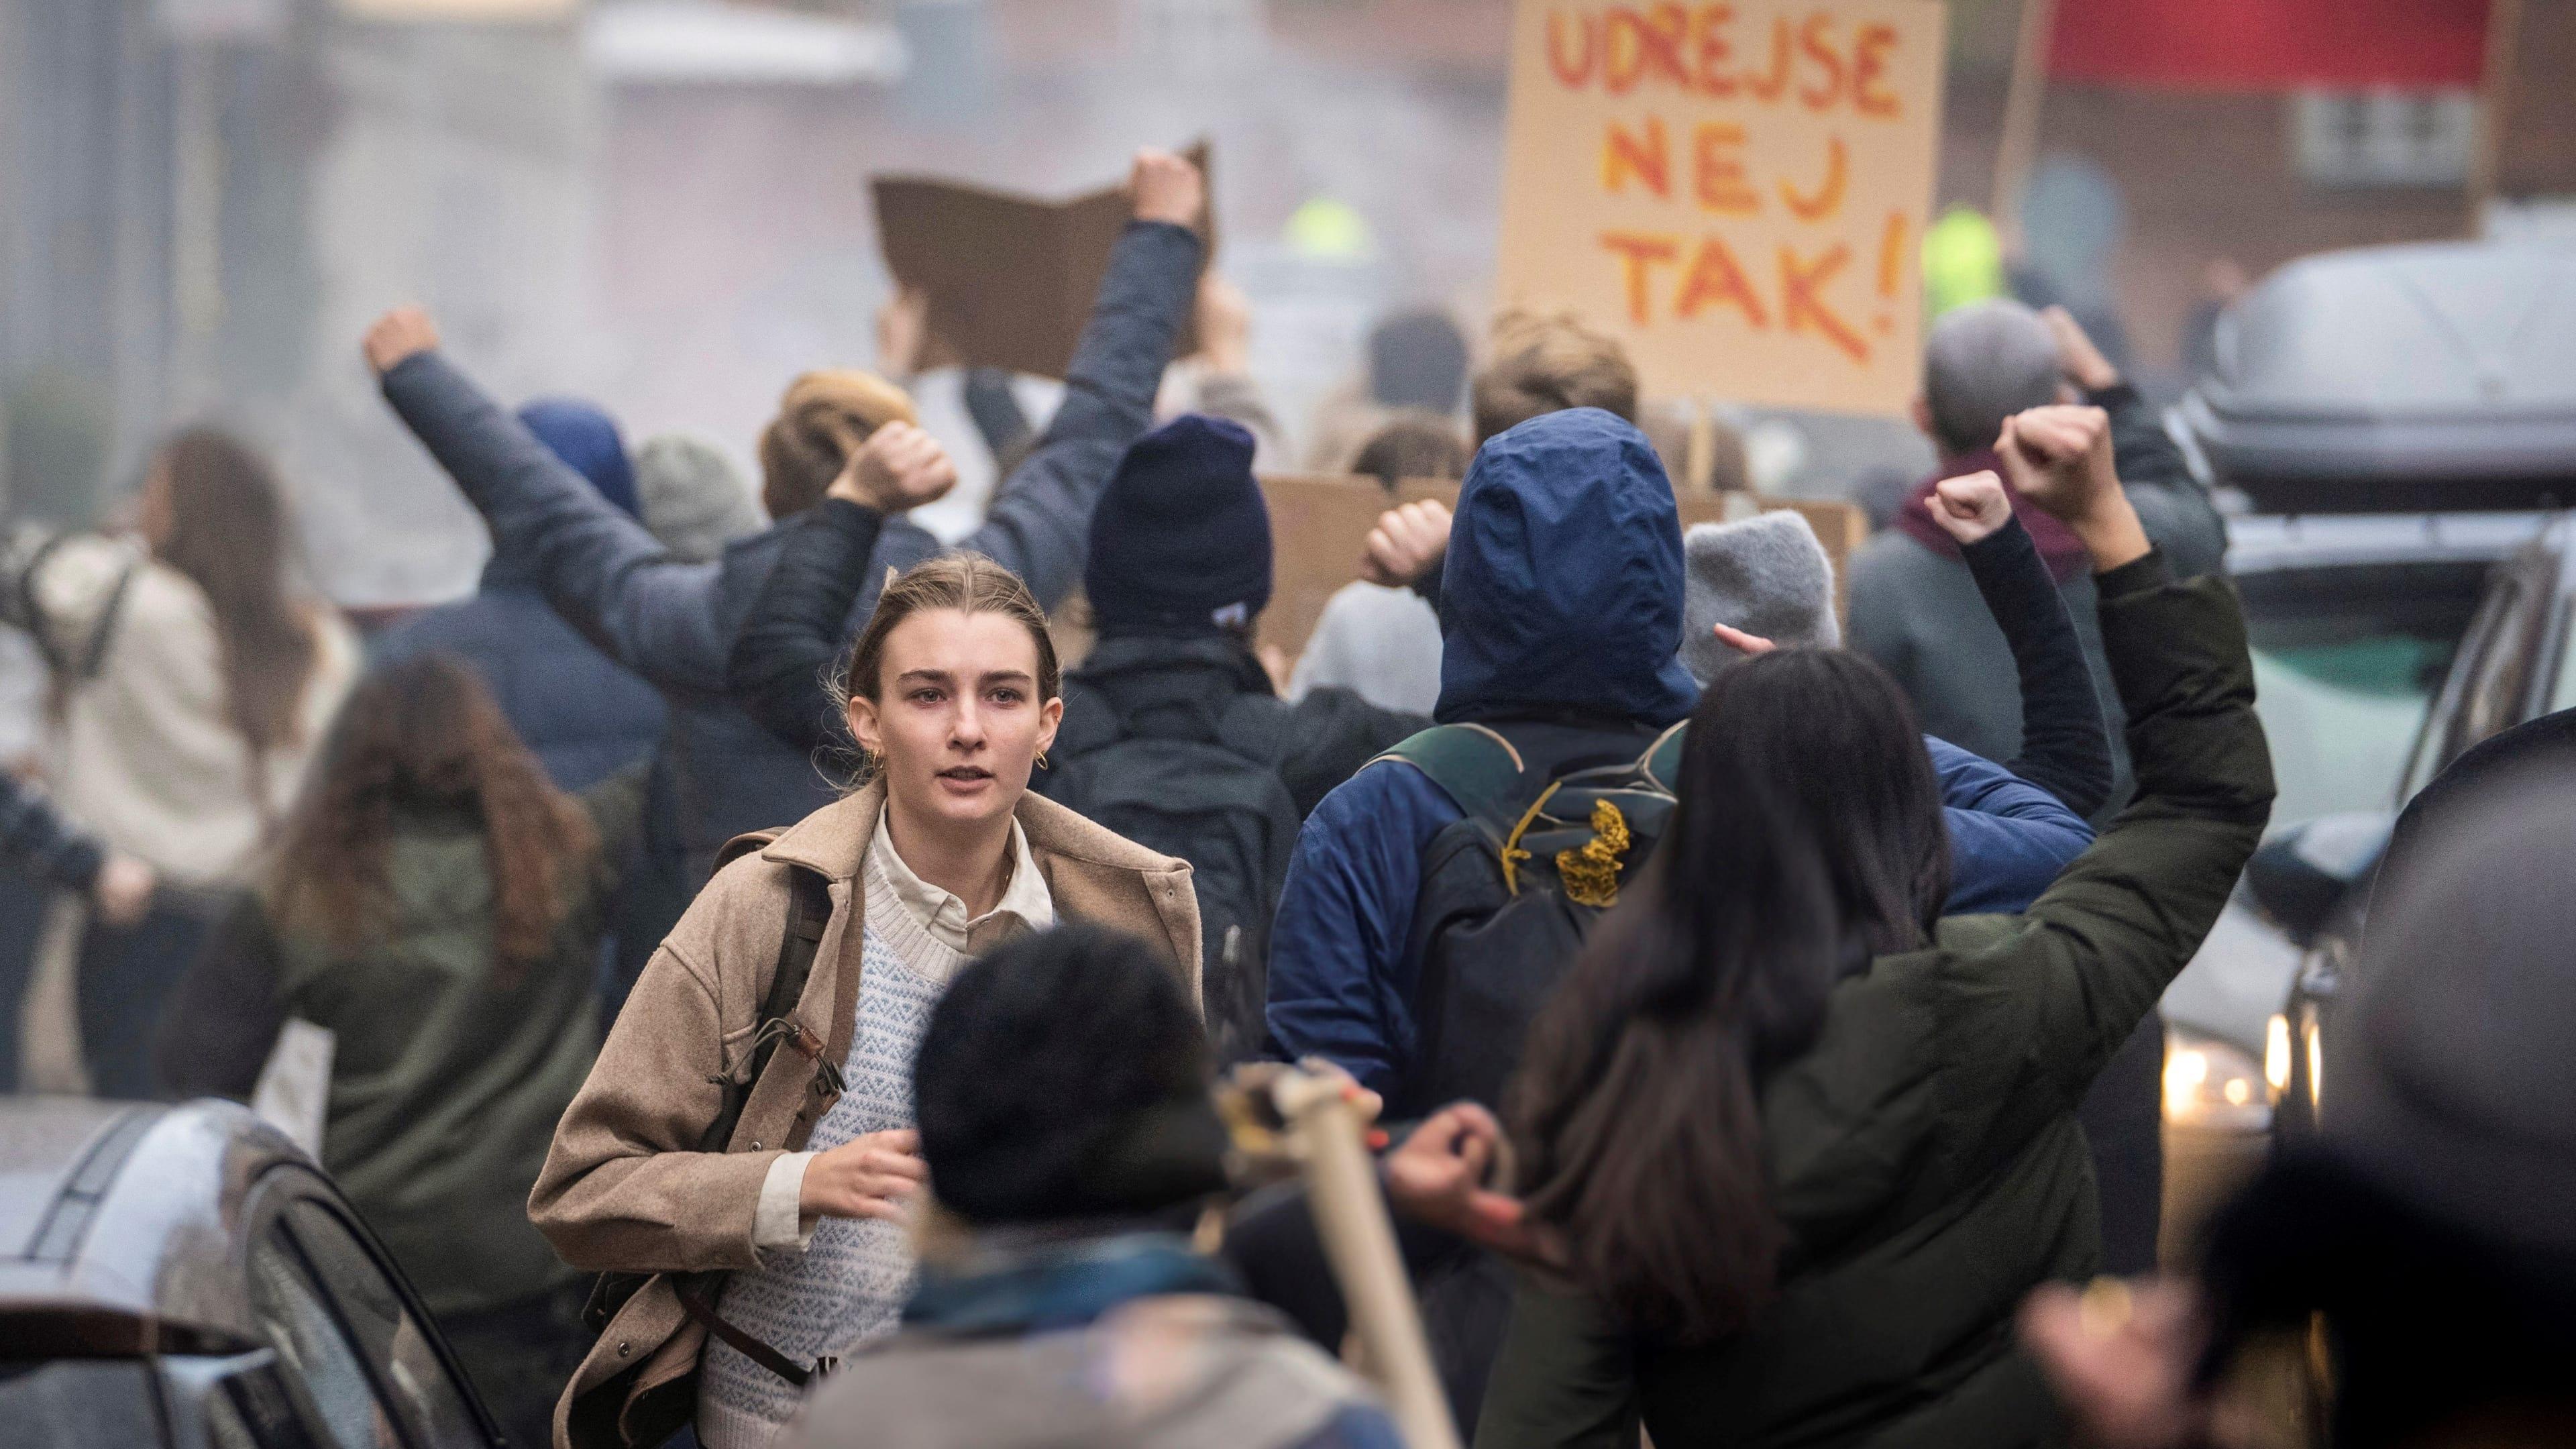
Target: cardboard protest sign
1320	526
1010	278
1736	191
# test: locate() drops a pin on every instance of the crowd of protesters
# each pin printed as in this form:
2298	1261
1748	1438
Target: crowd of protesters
775	1000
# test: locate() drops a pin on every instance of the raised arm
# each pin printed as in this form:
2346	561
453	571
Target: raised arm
602	570
2064	748
2098	949
794	630
1040	518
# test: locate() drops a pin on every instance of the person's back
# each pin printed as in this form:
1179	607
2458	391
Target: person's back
437	906
1061	1089
1877	1105
1172	735
584	715
720	773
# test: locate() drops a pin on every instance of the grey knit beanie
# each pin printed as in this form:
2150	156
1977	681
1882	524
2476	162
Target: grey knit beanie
1765	575
694	500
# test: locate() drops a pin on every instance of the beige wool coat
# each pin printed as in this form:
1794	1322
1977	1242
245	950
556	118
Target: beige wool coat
624	1188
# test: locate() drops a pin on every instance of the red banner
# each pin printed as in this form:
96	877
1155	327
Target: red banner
2269	45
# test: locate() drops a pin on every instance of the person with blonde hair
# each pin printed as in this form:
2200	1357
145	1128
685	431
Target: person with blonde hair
746	1139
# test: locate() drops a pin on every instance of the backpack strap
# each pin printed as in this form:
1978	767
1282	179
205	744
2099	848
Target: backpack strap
1474	766
809	911
1661	764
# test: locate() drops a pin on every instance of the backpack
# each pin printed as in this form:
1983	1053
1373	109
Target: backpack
1196	780
1509	892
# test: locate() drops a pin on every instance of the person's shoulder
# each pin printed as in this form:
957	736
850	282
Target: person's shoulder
736	920
1388	797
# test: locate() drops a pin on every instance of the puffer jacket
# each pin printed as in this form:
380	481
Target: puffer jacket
719	773
1924	1152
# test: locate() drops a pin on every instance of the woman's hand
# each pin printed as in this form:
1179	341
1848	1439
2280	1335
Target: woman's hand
1437	1177
2059	457
900	466
398	336
866	1177
1406	543
123	890
1971	507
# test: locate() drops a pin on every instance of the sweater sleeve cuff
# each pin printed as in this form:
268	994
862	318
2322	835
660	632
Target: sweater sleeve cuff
2147	572
778	1226
851	520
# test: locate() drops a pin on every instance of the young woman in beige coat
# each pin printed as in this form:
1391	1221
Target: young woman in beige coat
793	1235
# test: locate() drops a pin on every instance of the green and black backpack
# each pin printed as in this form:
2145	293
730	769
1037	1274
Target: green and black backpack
1509	892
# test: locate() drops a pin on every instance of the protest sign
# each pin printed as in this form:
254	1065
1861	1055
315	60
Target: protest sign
1010	278
1736	191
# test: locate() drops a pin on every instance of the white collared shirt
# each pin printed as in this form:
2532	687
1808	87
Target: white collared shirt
1025	905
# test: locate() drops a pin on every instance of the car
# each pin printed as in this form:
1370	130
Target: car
182	1276
2386	425
2518	663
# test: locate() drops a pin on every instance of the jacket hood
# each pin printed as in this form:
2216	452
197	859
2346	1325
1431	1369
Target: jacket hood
1562	590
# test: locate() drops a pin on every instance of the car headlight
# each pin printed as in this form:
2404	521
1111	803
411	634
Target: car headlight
2213	1086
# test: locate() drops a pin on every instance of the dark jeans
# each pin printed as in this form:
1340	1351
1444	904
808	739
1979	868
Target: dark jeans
520	1356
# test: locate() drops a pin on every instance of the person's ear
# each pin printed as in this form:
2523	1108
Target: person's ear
1921	411
864	724
1050	716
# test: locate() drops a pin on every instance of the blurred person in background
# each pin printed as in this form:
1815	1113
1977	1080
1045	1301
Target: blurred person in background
720	773
1916	610
1417	363
748	1142
1062	1092
692	498
191	684
1803	1142
2421	1249
1377	642
585	716
1382	641
37	839
437	905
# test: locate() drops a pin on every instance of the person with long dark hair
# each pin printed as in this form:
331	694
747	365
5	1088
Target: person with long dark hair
1800	1145
191	682
437	905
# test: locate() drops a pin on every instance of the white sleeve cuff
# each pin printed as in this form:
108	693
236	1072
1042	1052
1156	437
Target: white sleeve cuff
778	1226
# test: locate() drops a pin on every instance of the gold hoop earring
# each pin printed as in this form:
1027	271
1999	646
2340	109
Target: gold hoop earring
1042	764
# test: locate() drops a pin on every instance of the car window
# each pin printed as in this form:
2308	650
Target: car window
387	1331
2493	677
2346	661
314	1348
2562	685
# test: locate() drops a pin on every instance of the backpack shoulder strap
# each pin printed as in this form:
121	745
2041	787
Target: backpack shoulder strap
1474	766
1661	764
809	910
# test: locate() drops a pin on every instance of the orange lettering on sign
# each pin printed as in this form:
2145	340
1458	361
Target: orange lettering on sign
1637	253
1624	155
1714	48
1828	197
1715	277
1869	67
1803	308
1575	73
1717	169
1817	46
1769	87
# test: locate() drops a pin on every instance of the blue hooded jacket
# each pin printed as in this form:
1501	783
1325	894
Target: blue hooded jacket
1561	597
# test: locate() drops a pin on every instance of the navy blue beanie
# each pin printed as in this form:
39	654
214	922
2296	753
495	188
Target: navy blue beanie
586	439
1180	543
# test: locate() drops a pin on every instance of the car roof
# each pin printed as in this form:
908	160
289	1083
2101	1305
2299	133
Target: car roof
2452	361
2265	542
119	1220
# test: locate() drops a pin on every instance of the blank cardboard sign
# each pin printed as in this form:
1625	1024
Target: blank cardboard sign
1010	278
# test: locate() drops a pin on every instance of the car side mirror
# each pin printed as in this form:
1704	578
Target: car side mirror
2299	875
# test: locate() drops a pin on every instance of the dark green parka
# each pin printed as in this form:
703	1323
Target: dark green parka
1925	1152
